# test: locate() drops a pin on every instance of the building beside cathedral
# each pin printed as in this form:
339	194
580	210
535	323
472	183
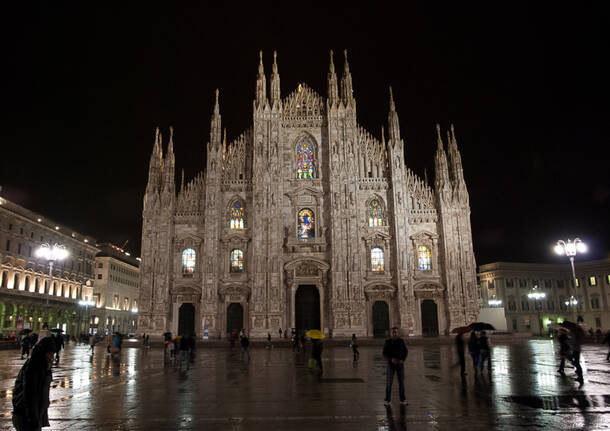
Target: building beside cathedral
306	220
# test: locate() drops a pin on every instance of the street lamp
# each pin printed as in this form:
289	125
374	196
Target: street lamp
571	304
536	296
570	249
493	302
51	253
87	303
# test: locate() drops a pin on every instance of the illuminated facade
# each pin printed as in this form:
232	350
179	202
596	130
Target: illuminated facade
306	220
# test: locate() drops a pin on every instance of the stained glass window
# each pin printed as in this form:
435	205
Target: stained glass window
424	258
306	225
188	261
306	168
377	259
375	214
237	260
237	215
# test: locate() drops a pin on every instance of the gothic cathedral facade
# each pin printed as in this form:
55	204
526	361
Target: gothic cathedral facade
306	220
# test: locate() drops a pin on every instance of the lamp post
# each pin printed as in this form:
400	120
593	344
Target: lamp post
87	303
570	249
572	303
51	253
536	295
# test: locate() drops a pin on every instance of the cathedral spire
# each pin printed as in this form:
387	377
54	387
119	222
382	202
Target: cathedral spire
261	83
169	165
155	164
455	160
182	182
215	126
347	91
275	82
333	87
393	124
440	162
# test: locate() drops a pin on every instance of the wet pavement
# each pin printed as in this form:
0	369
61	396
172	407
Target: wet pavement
276	390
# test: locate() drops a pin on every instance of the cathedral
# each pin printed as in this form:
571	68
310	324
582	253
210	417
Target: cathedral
307	220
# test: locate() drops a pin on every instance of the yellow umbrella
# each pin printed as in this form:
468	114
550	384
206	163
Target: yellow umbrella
315	334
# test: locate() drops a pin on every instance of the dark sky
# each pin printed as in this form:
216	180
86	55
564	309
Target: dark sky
526	85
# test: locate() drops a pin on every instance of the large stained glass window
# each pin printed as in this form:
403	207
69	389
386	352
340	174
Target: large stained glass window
237	215
306	167
424	257
375	213
377	259
237	260
306	227
189	258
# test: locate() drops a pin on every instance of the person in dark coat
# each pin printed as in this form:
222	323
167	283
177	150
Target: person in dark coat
25	346
31	392
564	350
59	344
473	348
355	347
484	352
607	341
245	346
395	351
316	353
459	347
578	336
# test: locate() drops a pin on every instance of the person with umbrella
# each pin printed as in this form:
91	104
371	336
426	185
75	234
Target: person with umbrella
473	348
316	352
484	352
25	342
564	349
59	342
32	386
395	351
577	337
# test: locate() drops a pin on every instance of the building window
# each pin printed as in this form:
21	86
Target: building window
21	231
522	283
19	249
126	304
514	324
375	213
548	284
115	302
100	265
536	284
4	279
16	281
26	284
593	281
525	306
306	227
44	287
188	261
237	260
237	215
8	245
608	279
36	287
10	226
512	305
560	284
377	259
598	322
424	258
550	305
595	302
99	276
490	284
509	282
306	167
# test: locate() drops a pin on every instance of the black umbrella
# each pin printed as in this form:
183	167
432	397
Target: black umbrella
481	326
571	326
57	330
25	331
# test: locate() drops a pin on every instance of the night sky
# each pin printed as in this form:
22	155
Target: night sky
527	87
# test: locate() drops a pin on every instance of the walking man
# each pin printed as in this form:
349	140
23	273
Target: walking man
395	351
354	346
564	350
473	348
245	344
578	336
485	352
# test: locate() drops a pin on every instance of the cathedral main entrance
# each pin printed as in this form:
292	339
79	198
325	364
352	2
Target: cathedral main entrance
307	308
429	318
186	319
381	319
235	317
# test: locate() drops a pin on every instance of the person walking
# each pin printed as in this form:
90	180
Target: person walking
44	332
564	350
184	351
484	352
459	347
316	353
269	344
473	348
32	386
395	351
25	346
354	346
92	342
578	336
59	344
280	332
245	345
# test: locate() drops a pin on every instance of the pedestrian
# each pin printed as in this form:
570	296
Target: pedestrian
607	341
459	347
577	335
44	332
109	342
564	350
25	346
184	351
147	341
269	345
245	345
473	348
280	331
395	351
316	353
32	386
354	346
92	342
484	352
59	344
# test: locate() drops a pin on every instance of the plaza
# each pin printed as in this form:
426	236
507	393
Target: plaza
276	390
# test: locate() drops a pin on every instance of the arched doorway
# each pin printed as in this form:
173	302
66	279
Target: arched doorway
429	318
186	319
307	308
235	317
381	319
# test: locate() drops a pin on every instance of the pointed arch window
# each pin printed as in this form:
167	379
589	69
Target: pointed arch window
424	258
237	215
306	227
237	260
306	166
189	259
377	259
375	213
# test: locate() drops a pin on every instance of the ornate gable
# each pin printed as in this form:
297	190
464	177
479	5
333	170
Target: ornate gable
303	108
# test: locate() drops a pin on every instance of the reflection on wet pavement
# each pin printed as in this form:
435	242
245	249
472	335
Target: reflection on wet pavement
276	389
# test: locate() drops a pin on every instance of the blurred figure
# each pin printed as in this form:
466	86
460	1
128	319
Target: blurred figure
245	345
395	352
484	352
32	386
473	348
59	344
92	342
25	346
564	350
607	341
578	336
316	353
459	347
354	346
